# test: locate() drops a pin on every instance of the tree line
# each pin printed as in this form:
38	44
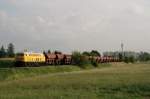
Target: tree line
7	52
82	60
126	56
130	56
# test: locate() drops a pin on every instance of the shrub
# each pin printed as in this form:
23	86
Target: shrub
6	63
126	59
76	57
94	63
131	59
79	59
95	53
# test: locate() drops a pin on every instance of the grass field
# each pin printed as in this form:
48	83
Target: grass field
118	81
6	62
11	59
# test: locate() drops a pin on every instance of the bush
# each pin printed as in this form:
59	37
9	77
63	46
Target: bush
6	63
126	59
82	60
76	57
144	56
79	59
130	59
94	63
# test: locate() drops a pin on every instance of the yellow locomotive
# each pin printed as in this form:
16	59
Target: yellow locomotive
29	59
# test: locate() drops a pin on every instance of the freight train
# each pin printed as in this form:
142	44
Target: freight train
41	59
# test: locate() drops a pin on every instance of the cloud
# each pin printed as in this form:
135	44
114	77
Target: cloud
12	1
40	19
75	24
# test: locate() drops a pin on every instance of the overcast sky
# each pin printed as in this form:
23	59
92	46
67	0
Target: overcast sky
69	25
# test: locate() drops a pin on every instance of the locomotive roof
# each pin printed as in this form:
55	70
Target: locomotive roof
30	53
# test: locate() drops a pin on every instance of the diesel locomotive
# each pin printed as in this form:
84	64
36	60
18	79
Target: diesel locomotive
29	59
41	59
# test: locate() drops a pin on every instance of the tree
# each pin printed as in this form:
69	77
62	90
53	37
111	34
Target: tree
129	59
2	52
44	52
126	59
86	53
120	57
144	56
132	59
95	53
79	59
76	57
10	50
57	52
49	51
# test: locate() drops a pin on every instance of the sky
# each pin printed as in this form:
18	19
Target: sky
69	25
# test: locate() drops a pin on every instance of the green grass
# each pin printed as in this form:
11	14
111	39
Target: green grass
117	81
22	72
9	72
6	63
11	59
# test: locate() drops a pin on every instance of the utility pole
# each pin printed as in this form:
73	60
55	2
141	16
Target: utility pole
122	49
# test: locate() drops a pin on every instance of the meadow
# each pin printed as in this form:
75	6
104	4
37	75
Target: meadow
6	62
109	81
